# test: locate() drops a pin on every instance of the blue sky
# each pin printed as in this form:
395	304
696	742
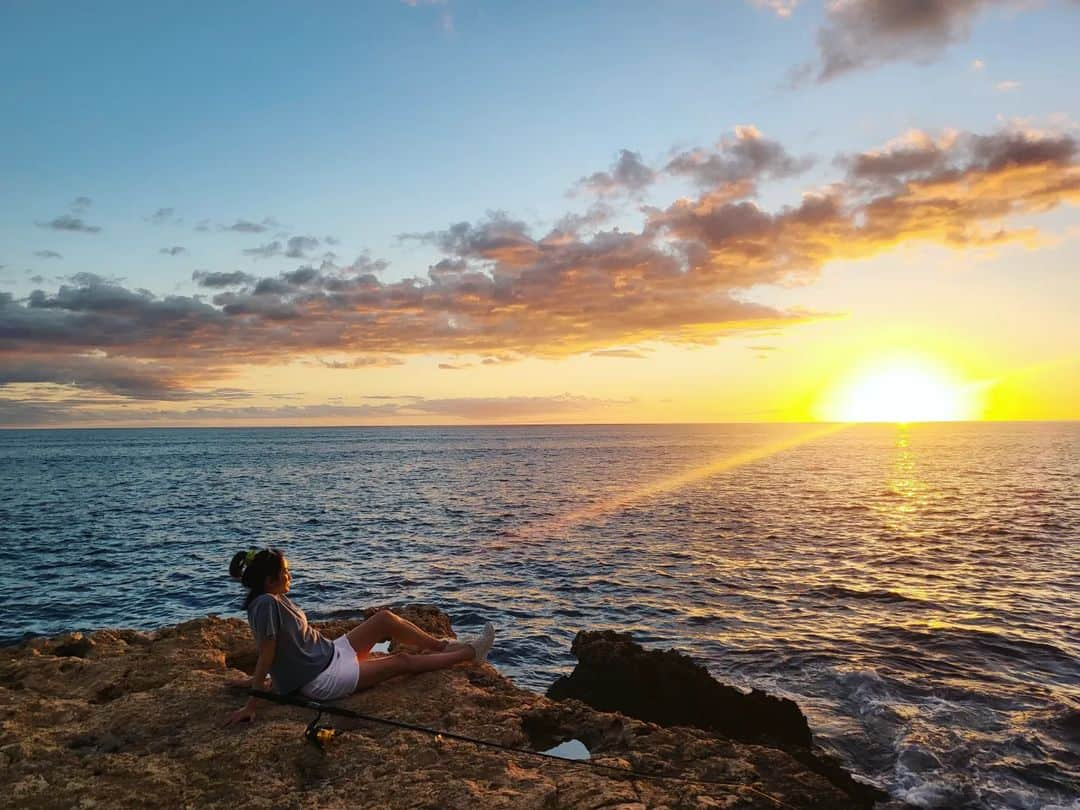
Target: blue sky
367	120
364	121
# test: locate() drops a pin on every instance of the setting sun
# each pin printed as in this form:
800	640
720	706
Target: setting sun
901	391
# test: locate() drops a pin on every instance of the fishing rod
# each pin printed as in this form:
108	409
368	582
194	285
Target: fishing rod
320	735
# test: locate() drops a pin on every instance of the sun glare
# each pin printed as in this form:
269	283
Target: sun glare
901	391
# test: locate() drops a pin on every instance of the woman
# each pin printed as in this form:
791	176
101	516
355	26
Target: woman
297	657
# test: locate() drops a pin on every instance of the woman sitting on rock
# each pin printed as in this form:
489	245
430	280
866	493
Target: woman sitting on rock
298	658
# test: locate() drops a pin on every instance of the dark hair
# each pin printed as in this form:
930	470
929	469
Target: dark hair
252	567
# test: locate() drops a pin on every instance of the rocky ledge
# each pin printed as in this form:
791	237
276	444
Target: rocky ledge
124	718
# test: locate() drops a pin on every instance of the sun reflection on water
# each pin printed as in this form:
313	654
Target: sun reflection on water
907	494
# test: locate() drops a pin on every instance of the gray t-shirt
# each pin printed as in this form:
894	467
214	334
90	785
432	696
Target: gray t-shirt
301	653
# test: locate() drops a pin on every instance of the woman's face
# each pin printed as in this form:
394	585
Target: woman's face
282	582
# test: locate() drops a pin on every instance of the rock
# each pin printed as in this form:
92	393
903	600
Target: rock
33	784
614	674
14	751
108	743
106	693
142	726
74	646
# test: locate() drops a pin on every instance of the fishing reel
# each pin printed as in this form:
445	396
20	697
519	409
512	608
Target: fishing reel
320	734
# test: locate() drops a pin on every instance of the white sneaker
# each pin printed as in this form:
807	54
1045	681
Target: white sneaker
482	643
453	644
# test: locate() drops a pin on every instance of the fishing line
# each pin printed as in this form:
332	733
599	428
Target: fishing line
313	729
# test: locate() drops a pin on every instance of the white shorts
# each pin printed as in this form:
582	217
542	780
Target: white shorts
339	679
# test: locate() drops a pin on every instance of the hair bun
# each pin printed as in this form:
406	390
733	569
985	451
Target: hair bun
239	563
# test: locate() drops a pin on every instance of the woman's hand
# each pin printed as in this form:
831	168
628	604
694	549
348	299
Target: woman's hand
244	715
247	683
258	678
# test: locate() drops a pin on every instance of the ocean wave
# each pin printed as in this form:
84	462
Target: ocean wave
976	646
875	595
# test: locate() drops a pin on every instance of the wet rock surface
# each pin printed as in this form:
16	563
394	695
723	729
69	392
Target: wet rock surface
136	719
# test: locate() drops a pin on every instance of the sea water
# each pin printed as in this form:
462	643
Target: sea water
915	589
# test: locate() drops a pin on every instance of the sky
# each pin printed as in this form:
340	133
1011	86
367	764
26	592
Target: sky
468	212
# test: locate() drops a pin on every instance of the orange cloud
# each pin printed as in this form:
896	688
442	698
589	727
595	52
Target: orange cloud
502	292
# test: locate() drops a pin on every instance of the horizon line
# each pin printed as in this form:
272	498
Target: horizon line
526	424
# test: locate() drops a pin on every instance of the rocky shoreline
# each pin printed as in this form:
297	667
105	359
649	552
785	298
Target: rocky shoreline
125	718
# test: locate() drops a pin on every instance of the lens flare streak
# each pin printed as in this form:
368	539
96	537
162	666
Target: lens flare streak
559	524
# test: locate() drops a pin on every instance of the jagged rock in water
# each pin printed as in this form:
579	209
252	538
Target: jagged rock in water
615	674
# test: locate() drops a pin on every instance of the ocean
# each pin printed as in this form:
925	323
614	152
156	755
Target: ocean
915	589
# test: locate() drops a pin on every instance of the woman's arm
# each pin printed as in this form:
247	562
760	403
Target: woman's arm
267	648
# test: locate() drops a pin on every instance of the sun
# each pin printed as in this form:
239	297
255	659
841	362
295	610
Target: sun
900	390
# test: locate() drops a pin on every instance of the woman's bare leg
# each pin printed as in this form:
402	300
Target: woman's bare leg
377	670
385	624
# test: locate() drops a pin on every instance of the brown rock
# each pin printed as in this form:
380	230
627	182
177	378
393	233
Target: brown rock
158	740
74	646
